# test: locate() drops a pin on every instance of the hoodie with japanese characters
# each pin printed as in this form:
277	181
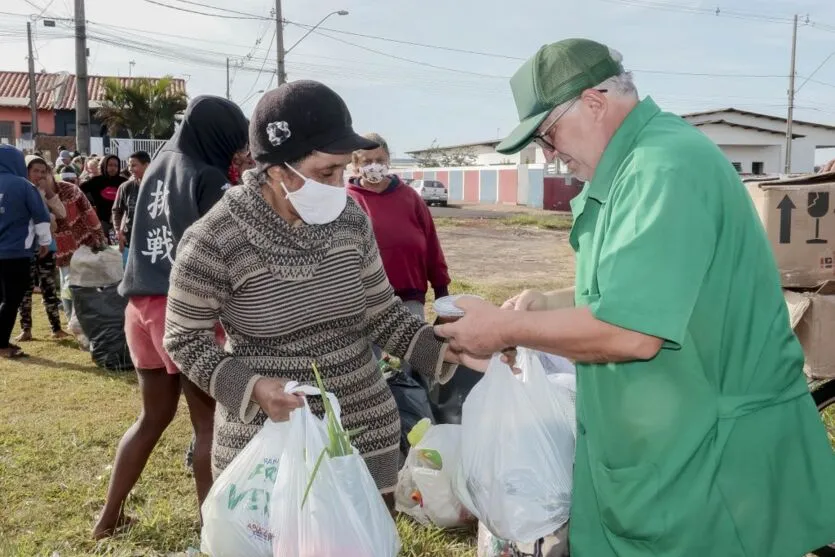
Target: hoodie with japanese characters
185	179
24	217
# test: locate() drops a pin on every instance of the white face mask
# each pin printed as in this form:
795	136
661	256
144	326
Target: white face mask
374	173
316	203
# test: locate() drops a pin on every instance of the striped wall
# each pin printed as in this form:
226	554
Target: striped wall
510	185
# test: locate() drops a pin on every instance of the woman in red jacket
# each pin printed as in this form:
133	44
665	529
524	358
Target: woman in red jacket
412	255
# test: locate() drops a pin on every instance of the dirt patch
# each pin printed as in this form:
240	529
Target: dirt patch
498	254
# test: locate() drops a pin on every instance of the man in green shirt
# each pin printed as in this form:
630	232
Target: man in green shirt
696	434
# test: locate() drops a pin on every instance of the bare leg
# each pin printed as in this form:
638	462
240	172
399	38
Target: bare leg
160	394
201	408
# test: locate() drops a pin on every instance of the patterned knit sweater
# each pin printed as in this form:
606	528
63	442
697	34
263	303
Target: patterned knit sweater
287	296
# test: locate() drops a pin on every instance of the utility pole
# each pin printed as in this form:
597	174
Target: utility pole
790	117
33	95
82	106
279	41
228	95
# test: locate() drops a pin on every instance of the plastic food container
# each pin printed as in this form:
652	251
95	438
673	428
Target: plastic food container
446	309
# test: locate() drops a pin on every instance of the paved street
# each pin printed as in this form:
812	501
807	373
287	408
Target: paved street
472	212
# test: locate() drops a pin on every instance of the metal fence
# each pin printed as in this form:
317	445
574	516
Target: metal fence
124	148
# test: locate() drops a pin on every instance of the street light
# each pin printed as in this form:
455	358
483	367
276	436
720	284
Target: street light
312	29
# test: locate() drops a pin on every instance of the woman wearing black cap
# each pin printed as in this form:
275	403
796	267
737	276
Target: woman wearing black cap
289	264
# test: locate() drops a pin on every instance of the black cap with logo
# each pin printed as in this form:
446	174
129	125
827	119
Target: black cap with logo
300	117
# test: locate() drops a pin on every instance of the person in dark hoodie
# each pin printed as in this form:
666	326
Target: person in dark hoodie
23	218
186	178
103	189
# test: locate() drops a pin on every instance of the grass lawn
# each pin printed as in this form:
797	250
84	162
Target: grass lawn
60	420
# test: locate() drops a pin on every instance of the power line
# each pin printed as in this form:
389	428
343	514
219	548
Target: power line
410	43
418	62
187	10
220	9
261	69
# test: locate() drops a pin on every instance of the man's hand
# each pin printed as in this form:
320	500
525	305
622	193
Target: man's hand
828	167
43	251
529	300
270	396
480	332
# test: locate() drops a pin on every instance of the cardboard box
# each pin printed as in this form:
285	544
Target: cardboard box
812	316
799	218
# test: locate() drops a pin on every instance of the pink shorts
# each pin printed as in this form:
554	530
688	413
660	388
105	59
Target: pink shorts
144	329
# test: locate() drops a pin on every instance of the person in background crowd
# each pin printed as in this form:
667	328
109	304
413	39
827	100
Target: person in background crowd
411	253
91	169
79	162
42	270
102	190
24	219
315	287
81	227
125	204
64	158
405	232
696	434
240	164
189	175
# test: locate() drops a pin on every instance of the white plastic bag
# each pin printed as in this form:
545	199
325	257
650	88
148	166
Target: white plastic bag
343	515
236	512
424	484
97	269
517	451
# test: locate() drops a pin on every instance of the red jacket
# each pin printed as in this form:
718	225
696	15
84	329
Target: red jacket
81	227
409	246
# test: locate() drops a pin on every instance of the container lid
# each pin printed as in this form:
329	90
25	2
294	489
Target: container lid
445	307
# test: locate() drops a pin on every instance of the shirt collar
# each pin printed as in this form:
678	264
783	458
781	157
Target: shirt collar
619	147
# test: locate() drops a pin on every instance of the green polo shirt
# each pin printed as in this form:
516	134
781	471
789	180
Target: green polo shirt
713	448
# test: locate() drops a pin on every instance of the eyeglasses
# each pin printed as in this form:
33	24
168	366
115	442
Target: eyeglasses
541	138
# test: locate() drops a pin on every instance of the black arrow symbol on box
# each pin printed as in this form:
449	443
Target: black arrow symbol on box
786	207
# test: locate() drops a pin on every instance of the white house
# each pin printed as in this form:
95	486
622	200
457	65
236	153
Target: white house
753	142
756	143
486	155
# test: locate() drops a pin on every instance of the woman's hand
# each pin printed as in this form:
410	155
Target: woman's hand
461	358
270	396
529	300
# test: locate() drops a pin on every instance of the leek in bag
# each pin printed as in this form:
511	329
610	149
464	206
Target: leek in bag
325	501
516	465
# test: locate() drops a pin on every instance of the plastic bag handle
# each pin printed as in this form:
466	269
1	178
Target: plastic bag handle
295	387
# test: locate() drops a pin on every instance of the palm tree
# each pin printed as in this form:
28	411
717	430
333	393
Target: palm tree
142	107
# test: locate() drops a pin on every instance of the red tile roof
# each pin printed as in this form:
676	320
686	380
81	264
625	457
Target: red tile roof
57	91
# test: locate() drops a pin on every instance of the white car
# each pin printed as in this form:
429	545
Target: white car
432	192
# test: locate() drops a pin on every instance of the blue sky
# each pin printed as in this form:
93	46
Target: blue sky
412	104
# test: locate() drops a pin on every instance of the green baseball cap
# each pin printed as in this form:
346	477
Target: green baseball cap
557	73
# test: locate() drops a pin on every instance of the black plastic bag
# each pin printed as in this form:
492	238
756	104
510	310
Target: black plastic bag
101	314
412	404
447	400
